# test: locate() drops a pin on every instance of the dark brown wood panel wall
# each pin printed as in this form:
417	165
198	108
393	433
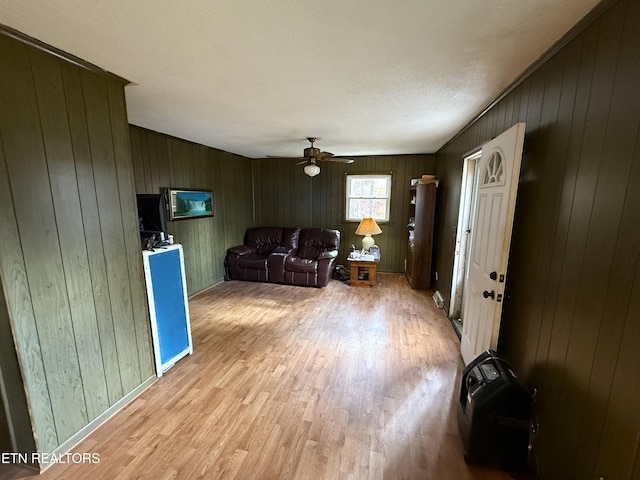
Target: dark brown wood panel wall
285	196
163	161
15	423
571	325
71	266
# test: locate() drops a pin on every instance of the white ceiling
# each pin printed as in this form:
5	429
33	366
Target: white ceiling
255	77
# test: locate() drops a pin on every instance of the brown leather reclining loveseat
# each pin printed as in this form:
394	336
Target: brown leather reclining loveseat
293	256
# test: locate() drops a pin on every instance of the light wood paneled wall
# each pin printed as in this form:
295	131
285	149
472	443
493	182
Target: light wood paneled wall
285	196
163	161
71	265
571	325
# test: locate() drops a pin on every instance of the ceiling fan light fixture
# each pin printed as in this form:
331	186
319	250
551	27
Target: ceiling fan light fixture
312	169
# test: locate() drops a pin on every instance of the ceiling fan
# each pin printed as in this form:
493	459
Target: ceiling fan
312	155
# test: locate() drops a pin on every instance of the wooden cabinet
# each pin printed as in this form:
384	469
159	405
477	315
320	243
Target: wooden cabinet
422	202
363	272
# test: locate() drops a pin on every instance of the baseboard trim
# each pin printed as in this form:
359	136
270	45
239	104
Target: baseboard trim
97	422
195	294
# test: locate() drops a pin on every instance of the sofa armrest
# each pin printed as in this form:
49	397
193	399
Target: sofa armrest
281	249
275	265
329	254
240	250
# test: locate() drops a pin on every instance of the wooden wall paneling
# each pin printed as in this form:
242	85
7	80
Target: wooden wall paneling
112	228
259	185
618	455
29	185
229	177
288	199
337	203
176	162
218	244
301	198
295	195
509	111
126	187
541	169
557	171
595	263
316	207
449	171
320	215
13	284
188	239
136	152
394	246
66	201
571	215
214	244
569	337
573	114
258	188
92	231
547	169
205	224
609	253
6	437
147	168
154	165
246	185
525	229
227	237
499	126
162	159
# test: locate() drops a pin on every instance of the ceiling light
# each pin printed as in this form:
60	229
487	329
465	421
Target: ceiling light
312	169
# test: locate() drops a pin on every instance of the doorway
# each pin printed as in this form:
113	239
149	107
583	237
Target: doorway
463	236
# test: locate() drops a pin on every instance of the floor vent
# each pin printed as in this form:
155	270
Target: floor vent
437	297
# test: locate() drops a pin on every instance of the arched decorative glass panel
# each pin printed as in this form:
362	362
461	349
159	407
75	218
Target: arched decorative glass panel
494	171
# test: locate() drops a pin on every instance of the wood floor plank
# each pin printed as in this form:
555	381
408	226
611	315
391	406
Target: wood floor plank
296	383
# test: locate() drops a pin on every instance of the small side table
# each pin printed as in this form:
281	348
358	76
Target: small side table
363	272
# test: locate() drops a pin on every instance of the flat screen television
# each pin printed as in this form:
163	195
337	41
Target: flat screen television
152	214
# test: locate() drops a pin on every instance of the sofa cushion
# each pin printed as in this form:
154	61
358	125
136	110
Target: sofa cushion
266	240
300	265
253	261
314	241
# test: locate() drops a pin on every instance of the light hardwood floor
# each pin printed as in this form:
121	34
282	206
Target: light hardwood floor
296	383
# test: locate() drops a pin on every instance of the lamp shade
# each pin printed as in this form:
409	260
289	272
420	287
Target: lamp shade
312	169
368	226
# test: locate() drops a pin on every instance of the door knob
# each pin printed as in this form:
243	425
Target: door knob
487	294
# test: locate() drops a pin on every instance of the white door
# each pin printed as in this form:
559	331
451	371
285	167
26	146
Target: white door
499	170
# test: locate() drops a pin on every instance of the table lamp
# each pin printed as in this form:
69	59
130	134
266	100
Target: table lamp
368	227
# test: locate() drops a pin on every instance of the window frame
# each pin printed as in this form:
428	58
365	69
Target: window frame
388	176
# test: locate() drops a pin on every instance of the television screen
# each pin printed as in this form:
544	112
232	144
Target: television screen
151	214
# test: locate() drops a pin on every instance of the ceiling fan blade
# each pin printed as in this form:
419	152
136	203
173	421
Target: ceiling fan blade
338	159
324	155
302	162
279	156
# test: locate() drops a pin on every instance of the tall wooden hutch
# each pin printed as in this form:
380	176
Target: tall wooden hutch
422	202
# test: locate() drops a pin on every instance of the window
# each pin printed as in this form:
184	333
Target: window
368	196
